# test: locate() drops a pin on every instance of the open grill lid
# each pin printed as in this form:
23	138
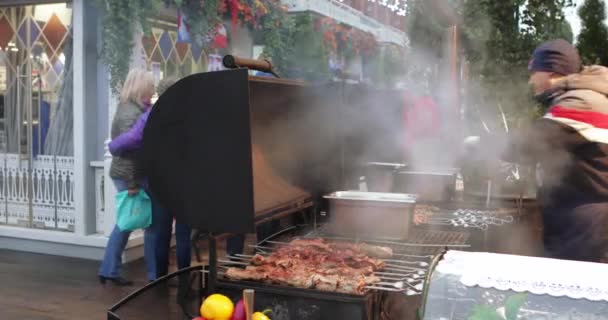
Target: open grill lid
197	152
223	149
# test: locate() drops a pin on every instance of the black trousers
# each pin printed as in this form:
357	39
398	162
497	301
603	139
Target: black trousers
576	232
236	243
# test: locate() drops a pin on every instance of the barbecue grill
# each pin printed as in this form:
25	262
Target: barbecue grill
402	280
391	299
225	151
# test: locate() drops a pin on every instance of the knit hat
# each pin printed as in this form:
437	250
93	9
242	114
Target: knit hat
557	56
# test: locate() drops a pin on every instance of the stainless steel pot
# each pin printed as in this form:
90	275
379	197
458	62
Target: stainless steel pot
372	215
428	185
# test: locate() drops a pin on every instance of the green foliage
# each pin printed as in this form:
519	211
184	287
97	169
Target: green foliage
500	37
387	65
119	30
485	313
425	33
513	305
593	39
565	32
277	35
310	56
200	16
544	20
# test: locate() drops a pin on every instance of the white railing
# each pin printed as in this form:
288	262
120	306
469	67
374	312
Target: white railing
100	195
348	15
46	187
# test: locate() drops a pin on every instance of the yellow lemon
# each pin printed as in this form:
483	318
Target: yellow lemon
217	307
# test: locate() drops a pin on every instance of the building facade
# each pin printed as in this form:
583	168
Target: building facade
56	106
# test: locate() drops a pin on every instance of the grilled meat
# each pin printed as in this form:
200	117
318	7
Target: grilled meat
376	251
426	209
362	248
422	213
318	243
246	274
315	264
305	278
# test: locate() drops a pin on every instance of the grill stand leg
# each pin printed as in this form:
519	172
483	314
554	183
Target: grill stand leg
212	264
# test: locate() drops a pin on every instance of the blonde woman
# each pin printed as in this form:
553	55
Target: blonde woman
126	172
163	220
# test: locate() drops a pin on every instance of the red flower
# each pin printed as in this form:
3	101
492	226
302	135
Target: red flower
234	6
222	7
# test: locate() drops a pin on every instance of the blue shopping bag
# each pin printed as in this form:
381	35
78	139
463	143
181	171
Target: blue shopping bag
133	212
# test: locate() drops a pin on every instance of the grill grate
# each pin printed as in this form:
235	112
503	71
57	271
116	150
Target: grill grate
401	272
469	218
421	241
439	239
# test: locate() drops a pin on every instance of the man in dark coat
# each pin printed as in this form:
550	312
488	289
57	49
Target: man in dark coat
570	146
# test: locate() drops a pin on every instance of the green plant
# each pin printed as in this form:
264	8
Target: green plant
513	305
389	65
310	54
593	39
119	30
201	17
499	39
277	35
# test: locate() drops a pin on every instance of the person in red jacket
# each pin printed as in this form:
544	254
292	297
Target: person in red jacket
422	124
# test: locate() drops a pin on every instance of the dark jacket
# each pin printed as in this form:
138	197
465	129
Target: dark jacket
570	143
127	166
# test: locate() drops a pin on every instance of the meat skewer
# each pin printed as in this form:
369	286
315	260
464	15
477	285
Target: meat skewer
364	248
316	264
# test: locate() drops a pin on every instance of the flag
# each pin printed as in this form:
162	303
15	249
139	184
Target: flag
183	32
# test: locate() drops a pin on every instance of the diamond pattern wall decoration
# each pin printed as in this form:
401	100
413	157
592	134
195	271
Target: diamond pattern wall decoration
6	32
174	58
186	66
171	65
196	51
34	32
148	43
182	49
49	76
58	67
165	45
54	31
37	50
50	53
156	56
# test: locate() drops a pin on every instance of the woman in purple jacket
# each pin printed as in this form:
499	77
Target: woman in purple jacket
132	140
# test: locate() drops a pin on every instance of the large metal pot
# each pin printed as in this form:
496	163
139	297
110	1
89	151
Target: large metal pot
371	215
380	176
428	185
